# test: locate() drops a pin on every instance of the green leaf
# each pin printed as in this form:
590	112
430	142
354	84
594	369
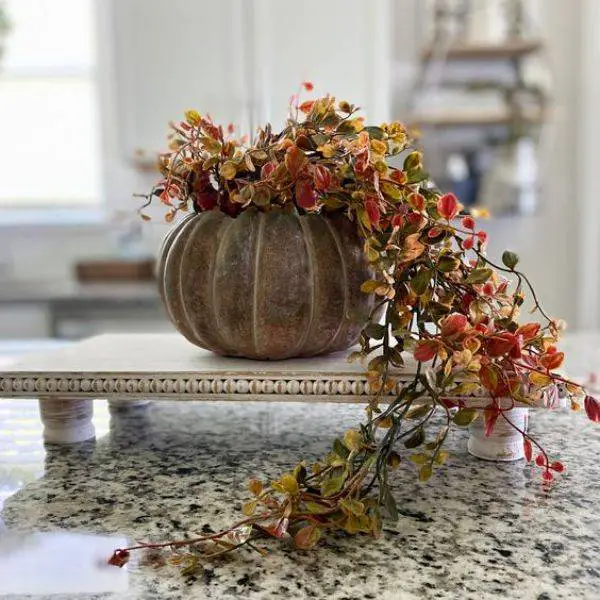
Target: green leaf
479	275
510	259
375	132
413	161
447	264
416	412
416	176
261	195
353	507
314	508
420	282
375	331
416	439
465	416
340	449
332	486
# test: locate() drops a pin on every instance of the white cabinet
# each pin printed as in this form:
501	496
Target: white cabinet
240	60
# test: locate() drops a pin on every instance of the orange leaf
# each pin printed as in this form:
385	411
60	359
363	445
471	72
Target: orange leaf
552	361
295	159
306	107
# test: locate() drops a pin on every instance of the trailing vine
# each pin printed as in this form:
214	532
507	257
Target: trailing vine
441	301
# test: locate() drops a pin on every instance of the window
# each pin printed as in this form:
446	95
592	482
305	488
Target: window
49	140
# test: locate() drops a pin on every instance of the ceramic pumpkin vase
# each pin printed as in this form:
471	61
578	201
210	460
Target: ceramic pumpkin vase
265	285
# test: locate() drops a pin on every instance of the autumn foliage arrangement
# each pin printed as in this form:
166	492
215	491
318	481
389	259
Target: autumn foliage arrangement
443	302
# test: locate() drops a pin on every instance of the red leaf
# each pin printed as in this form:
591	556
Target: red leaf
528	449
322	178
306	197
501	344
557	466
308	86
540	460
490	416
417	201
417	220
483	236
373	211
448	403
398	176
592	408
425	350
447	206
267	169
397	221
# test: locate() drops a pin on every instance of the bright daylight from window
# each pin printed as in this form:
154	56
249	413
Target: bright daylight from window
48	105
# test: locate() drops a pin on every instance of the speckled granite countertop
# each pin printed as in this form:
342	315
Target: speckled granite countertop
476	530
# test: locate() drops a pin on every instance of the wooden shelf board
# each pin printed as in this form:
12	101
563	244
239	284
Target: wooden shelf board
473	119
515	48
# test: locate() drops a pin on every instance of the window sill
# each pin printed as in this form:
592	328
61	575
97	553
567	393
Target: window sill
53	218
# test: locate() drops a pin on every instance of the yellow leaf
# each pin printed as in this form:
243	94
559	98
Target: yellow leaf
289	484
419	459
368	287
249	508
353	439
539	379
441	457
193	117
391	190
227	170
327	150
425	472
378	146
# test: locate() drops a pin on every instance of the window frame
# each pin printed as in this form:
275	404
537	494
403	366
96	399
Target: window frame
71	214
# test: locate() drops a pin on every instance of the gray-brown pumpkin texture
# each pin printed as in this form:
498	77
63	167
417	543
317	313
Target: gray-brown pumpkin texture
265	285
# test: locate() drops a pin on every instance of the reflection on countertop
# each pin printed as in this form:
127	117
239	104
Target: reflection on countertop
476	530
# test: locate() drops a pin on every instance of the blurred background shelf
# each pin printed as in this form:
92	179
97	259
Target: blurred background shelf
507	50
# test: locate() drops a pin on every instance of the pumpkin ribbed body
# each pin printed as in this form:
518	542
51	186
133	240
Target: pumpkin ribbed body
265	285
